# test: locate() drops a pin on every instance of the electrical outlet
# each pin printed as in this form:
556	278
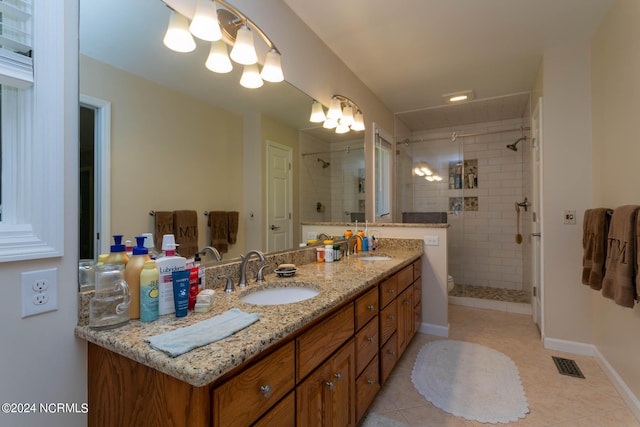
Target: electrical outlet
431	240
39	291
569	217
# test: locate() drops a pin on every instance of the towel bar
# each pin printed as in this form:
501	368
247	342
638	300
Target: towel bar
152	213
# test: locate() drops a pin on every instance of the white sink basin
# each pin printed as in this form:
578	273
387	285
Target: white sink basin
279	295
375	258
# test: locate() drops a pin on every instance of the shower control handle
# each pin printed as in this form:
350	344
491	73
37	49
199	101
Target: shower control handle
536	234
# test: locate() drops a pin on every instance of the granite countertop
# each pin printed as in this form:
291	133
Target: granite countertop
337	282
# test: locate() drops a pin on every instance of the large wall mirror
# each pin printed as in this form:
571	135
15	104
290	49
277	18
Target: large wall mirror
178	136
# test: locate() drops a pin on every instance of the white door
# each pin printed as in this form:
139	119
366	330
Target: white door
279	200
536	226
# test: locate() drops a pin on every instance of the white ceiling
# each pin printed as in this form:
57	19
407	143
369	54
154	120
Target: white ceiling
411	52
408	52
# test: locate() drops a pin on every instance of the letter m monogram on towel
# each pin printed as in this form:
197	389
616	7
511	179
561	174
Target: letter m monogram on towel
617	250
187	231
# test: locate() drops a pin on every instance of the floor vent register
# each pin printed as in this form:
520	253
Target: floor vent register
567	367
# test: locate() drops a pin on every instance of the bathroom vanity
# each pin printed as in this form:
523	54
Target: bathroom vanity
316	362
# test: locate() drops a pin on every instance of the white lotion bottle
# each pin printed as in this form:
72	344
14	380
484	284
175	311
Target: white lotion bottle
167	265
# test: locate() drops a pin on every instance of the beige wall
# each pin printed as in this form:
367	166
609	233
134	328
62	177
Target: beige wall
616	151
168	152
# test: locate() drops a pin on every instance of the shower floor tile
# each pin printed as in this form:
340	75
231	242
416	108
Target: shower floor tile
486	292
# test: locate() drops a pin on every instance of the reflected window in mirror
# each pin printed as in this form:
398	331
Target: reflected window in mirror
383	150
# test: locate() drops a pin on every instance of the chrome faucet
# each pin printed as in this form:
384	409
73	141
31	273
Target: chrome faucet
324	236
355	245
243	265
214	252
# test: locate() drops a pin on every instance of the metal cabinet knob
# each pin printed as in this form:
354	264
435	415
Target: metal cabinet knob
391	317
371	382
371	307
266	390
370	339
338	376
330	384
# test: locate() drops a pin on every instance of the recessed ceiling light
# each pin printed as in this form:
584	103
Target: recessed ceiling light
452	98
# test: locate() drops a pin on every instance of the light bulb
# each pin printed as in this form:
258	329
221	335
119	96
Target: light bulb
243	51
178	37
218	60
347	116
342	128
250	77
272	70
205	24
358	121
330	123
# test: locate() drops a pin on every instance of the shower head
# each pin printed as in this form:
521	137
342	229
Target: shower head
514	145
324	164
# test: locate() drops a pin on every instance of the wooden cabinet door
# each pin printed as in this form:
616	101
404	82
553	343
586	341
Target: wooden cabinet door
406	320
343	393
327	396
281	415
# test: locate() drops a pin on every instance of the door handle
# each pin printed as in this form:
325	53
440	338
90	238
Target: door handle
535	234
274	227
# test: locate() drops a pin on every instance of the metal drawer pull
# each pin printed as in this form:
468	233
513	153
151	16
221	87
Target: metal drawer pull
338	376
371	339
391	316
266	390
391	352
371	382
371	307
330	384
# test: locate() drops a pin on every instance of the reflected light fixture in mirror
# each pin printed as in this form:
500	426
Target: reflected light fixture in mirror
340	115
422	169
221	26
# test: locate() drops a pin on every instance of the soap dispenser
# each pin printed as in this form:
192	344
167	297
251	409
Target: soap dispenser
117	254
132	271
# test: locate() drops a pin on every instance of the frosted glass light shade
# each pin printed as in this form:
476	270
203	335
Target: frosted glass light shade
218	60
178	37
317	113
330	123
347	116
243	51
335	109
272	70
205	24
251	77
342	128
358	122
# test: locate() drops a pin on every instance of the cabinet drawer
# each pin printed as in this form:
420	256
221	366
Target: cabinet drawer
367	386
388	358
388	290
315	345
243	399
366	308
417	269
366	345
282	415
388	322
405	278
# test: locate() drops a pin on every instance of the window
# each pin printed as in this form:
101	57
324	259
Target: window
382	156
32	128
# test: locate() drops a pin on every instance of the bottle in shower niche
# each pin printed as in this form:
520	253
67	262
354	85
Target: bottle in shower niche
149	292
132	271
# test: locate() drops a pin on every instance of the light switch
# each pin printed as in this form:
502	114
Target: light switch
570	217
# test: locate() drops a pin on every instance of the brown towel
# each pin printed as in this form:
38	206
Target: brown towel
185	226
219	233
594	243
619	279
163	225
234	220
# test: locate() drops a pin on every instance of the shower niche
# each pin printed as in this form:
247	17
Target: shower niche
463	174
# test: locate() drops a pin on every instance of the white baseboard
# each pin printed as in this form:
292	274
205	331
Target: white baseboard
627	395
572	347
437	330
590	350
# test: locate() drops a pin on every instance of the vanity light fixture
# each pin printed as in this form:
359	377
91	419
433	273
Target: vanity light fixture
456	97
218	22
343	115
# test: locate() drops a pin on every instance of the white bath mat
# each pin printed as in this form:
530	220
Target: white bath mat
375	420
471	381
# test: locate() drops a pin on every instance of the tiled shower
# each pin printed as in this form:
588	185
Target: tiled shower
482	182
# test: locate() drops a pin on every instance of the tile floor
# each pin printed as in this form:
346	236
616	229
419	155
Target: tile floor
554	399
